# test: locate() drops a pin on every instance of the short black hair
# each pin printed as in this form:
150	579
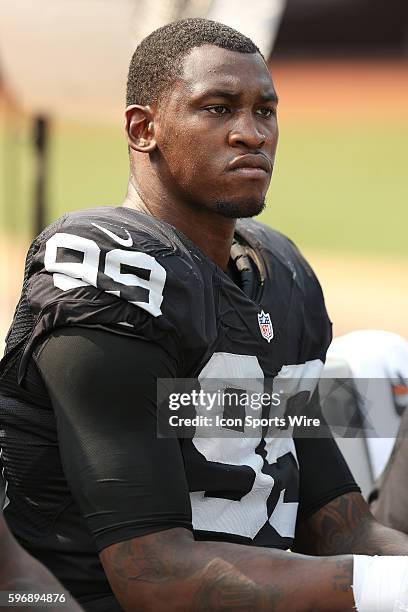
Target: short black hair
156	63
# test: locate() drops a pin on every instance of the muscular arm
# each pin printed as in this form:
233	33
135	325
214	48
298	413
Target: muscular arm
169	571
346	525
124	478
21	572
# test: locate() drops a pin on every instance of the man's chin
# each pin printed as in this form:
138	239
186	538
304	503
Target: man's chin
239	209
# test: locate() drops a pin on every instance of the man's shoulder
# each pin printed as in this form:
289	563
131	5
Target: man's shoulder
120	227
119	269
118	251
116	242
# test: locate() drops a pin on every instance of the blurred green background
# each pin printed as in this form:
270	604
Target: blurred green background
335	186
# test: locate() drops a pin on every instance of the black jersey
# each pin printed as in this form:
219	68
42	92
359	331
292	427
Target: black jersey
131	275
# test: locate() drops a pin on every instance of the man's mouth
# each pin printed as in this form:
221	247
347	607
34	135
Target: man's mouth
251	165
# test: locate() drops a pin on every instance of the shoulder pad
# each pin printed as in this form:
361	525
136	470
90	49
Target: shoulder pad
122	270
132	256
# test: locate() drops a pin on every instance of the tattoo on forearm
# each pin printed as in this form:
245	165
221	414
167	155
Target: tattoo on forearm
207	584
344	577
223	590
337	524
346	526
168	570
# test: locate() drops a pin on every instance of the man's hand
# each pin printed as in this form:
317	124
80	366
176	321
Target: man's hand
345	526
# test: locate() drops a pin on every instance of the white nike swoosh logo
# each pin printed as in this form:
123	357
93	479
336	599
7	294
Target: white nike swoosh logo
126	242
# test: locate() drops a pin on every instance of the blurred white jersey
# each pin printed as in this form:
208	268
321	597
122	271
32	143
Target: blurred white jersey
258	20
374	355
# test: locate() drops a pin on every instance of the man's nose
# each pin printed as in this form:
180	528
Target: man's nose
246	133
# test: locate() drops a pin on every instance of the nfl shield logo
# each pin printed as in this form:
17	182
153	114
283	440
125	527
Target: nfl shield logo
265	325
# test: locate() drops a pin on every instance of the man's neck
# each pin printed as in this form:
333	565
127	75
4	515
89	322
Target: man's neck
211	232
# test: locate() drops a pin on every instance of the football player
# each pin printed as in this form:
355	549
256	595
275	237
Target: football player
171	286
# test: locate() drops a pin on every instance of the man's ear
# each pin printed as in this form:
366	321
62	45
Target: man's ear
139	127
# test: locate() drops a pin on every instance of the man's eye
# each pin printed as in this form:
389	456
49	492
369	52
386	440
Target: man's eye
217	109
266	112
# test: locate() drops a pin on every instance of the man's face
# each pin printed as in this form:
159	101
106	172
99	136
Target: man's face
216	132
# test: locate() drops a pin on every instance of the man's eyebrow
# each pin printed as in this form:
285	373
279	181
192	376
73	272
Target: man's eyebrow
233	95
271	96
